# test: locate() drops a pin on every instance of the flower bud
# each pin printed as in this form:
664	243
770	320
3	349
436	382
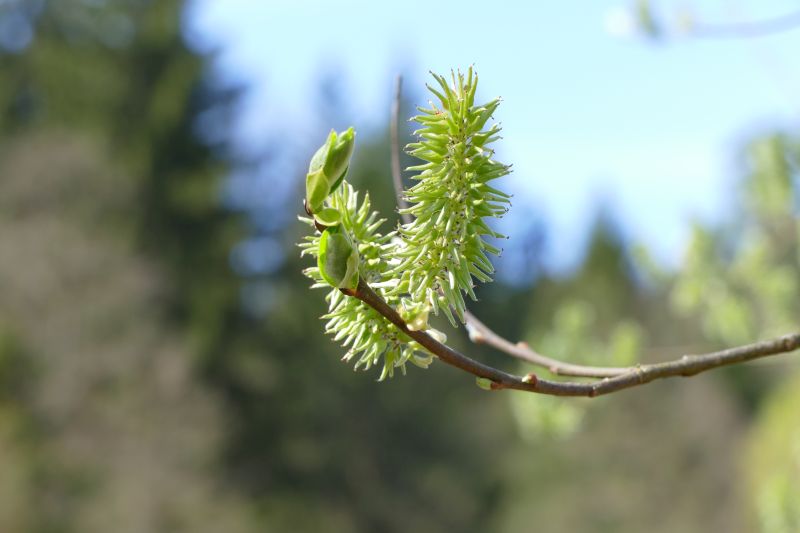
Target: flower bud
328	167
338	258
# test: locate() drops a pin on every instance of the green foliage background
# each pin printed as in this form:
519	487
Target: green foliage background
137	393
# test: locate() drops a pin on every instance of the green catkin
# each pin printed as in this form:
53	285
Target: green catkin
443	248
428	264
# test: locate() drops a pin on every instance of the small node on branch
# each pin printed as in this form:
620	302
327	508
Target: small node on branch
474	335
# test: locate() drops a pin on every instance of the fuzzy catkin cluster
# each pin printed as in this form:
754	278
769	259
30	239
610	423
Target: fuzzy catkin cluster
428	264
367	335
443	248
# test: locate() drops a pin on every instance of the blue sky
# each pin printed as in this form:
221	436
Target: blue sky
651	128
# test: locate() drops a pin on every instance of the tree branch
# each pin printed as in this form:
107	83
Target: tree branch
688	365
480	333
397	176
450	356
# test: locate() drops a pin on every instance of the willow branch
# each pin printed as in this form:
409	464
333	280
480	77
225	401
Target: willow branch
480	333
450	356
397	176
688	365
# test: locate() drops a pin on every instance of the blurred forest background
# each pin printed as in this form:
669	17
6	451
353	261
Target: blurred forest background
163	367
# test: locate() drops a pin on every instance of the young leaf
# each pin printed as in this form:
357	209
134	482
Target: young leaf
328	216
338	259
328	167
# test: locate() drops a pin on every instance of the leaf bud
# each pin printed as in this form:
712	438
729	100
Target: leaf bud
328	167
338	258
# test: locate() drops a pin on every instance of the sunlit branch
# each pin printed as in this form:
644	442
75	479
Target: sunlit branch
397	176
688	365
480	333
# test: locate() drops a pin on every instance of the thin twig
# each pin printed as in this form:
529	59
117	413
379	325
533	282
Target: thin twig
480	333
397	176
688	365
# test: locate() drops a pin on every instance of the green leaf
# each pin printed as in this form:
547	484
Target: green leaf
338	157
340	180
338	259
328	167
328	216
316	190
321	155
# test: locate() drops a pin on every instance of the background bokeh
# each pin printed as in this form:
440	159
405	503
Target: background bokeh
162	363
